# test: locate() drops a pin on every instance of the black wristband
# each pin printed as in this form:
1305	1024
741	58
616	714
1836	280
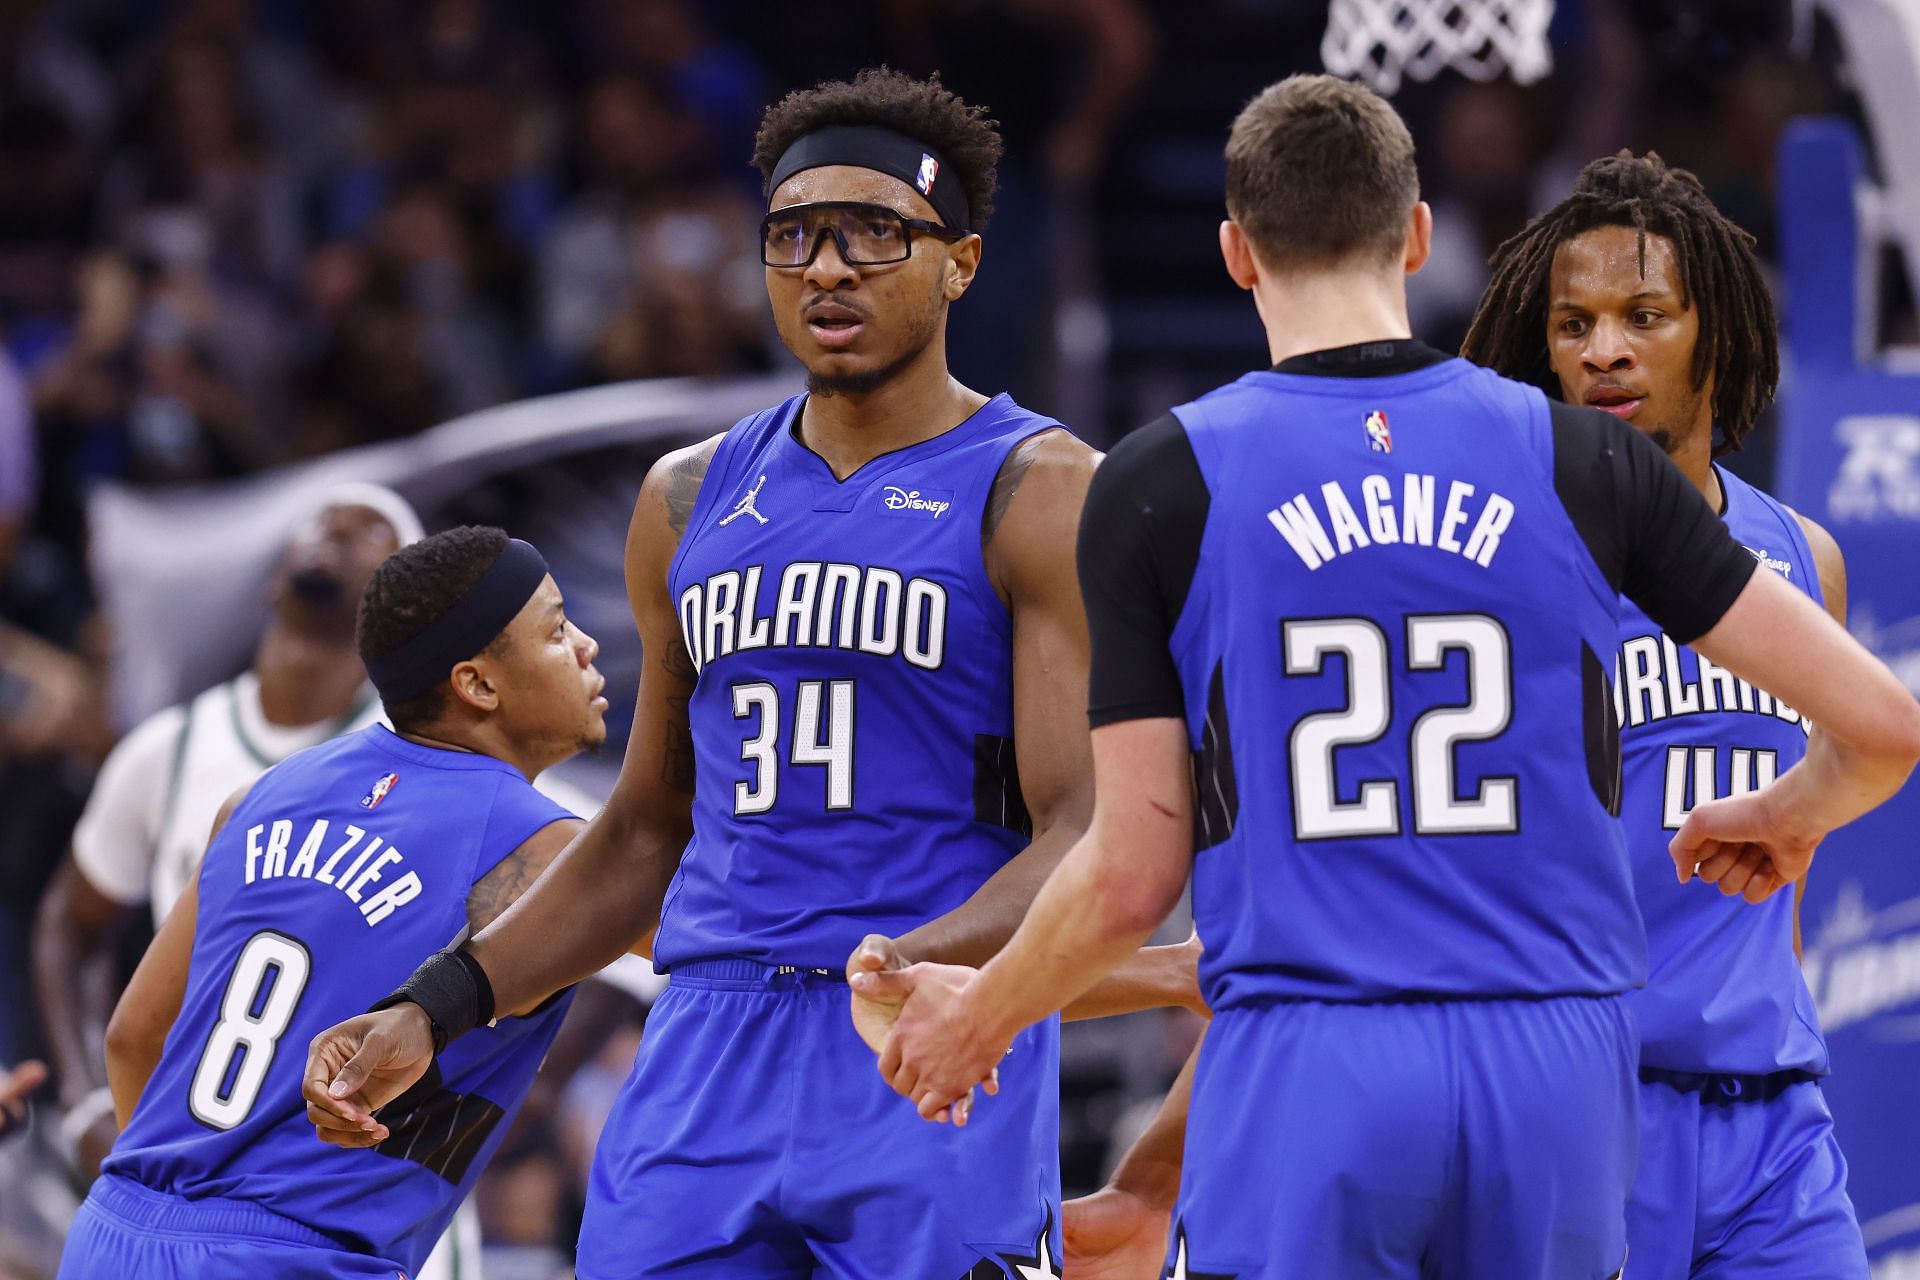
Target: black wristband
452	990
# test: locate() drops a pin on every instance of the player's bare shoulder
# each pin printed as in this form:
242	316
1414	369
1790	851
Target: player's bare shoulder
1033	510
663	510
673	484
1828	563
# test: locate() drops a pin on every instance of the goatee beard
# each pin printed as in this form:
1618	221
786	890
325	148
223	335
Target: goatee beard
826	385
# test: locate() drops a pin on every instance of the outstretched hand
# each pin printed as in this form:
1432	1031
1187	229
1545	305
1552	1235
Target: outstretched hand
361	1065
937	1053
1743	844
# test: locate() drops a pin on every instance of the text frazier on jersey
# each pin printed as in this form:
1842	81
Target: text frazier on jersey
268	843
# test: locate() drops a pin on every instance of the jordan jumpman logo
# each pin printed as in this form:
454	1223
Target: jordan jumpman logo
746	507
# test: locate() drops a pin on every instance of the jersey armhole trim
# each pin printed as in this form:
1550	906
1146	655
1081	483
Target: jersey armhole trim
719	469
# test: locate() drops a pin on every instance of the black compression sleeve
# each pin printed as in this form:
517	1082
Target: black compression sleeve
1646	525
1139	544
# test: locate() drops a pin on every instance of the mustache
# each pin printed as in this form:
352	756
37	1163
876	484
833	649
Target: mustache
839	306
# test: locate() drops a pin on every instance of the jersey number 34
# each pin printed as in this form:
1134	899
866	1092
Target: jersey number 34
822	736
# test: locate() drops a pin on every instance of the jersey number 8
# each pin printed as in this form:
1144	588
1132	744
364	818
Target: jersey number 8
261	996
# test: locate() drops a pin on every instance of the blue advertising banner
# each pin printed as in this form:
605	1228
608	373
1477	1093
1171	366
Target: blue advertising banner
1850	458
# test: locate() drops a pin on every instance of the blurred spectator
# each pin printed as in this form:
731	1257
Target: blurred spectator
668	43
19	464
15	1085
695	303
631	146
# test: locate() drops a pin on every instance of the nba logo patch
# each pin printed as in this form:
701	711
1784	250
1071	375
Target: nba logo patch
1379	439
372	799
929	170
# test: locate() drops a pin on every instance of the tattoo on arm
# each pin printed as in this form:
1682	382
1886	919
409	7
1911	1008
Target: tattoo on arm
500	888
676	768
1007	483
683	487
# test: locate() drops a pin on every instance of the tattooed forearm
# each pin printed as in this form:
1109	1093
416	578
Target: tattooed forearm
676	748
683	487
676	767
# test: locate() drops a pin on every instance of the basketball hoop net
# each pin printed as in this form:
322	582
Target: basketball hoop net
1387	41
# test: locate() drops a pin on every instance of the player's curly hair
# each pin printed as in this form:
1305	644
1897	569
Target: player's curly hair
1739	343
411	589
924	110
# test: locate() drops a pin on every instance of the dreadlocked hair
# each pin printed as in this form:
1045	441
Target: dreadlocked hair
1739	342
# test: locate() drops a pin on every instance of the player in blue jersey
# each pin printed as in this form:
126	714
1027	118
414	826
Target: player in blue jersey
866	642
1362	601
322	883
1635	295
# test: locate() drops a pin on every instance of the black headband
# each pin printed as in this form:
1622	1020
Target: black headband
869	146
469	626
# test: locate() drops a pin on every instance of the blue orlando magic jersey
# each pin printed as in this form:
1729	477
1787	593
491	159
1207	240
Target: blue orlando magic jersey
343	867
1724	991
1391	657
853	717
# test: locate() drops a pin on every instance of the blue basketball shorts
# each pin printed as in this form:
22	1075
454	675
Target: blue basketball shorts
1418	1141
756	1139
126	1230
1740	1176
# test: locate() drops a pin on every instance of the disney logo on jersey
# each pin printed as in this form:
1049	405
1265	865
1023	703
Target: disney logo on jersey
934	502
1379	439
372	799
1780	567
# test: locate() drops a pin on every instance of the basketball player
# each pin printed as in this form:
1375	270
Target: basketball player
146	820
321	884
1385	674
866	641
1636	296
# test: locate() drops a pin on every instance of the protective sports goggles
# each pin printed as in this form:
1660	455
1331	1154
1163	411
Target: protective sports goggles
867	235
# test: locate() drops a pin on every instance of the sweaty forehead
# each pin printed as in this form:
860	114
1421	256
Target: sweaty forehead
850	182
1606	263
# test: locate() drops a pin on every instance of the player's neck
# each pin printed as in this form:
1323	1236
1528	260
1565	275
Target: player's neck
1325	310
1695	460
921	401
483	738
305	680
